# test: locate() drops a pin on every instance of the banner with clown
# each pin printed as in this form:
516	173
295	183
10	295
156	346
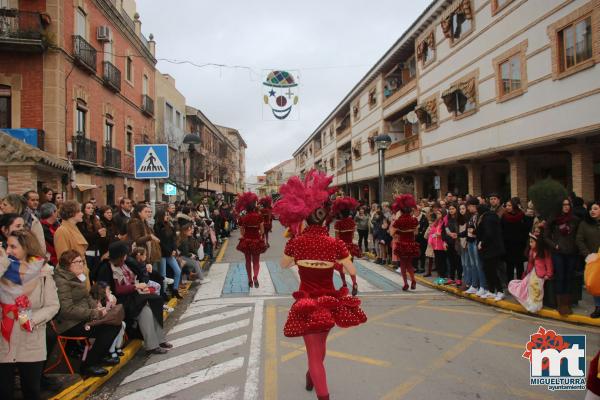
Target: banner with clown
280	95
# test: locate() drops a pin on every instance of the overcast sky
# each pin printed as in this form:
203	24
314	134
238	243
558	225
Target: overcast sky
332	43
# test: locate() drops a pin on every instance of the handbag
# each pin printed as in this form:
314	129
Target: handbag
114	316
592	277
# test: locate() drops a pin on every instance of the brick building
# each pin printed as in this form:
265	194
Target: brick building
81	73
477	95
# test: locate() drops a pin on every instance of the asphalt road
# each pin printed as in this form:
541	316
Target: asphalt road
422	344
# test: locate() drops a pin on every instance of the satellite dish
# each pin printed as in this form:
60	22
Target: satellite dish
412	117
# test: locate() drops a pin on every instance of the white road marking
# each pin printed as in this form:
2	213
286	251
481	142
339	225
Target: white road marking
225	394
265	287
209	319
194	309
185	358
392	276
364	286
214	288
242	300
210	333
186	382
253	368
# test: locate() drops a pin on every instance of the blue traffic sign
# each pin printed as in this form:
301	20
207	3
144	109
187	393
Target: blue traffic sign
170	190
151	161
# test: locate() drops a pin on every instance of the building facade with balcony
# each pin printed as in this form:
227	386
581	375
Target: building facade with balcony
170	129
277	176
238	172
485	95
213	166
90	89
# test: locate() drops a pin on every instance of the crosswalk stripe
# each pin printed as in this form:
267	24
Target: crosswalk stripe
186	382
252	378
225	394
185	358
210	319
266	287
389	275
214	288
236	282
376	277
219	330
363	284
195	309
283	279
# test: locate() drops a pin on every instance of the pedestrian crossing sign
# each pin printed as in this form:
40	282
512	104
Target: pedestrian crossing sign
151	161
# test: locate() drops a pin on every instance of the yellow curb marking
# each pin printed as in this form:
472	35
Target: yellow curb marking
407	386
458	310
344	356
293	354
222	251
271	378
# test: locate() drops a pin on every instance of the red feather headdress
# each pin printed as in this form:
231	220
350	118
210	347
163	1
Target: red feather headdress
266	201
299	199
244	200
343	203
403	202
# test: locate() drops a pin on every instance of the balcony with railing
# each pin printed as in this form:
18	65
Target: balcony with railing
84	150
21	31
112	158
399	80
343	126
111	76
147	105
84	53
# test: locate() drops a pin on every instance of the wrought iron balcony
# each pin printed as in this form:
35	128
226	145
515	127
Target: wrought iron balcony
85	53
111	76
84	150
147	105
21	31
112	157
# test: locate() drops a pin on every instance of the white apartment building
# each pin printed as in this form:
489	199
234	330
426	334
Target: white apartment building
487	95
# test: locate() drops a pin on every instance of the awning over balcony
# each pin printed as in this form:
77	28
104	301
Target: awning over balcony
15	152
83	186
467	87
457	7
430	108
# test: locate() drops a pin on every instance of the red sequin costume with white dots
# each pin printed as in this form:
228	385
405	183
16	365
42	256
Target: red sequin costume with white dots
319	306
407	246
252	242
267	218
344	229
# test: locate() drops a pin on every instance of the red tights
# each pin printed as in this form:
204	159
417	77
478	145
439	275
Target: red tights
267	238
316	347
407	266
340	269
252	260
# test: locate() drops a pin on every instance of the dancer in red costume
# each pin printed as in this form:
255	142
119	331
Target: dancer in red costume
404	228
318	306
266	210
251	243
344	229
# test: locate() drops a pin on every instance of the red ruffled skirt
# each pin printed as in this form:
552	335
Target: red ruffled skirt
252	246
321	311
406	249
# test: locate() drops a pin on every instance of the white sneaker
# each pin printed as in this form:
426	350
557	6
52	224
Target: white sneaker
499	296
168	309
489	295
169	281
471	290
480	292
397	270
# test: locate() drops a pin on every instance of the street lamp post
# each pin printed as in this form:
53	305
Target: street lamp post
191	140
382	142
346	161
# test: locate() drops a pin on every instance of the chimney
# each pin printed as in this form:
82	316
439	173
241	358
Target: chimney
152	45
138	24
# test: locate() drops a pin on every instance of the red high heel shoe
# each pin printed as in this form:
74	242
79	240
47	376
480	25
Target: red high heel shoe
405	287
413	285
326	397
309	382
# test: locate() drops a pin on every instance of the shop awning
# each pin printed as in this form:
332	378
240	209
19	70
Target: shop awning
84	186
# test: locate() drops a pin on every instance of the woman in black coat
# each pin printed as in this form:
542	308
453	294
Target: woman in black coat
168	246
491	249
515	231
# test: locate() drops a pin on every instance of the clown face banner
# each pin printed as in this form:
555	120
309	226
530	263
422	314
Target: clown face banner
280	95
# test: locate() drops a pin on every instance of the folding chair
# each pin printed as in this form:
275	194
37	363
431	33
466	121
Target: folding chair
62	341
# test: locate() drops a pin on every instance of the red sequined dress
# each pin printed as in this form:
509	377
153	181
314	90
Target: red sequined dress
319	306
345	231
252	241
267	214
405	226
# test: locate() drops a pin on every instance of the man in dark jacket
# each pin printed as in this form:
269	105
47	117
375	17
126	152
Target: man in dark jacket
491	249
123	216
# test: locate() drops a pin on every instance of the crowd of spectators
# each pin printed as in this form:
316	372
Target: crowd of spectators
96	271
482	244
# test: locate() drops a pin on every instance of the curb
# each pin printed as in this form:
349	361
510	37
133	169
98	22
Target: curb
510	306
83	388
